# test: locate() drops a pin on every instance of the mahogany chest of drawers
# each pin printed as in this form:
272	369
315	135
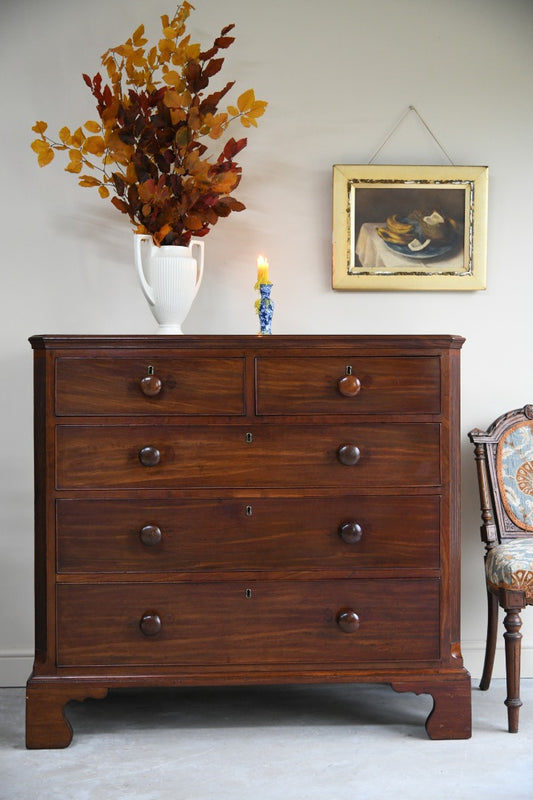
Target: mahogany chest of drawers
246	510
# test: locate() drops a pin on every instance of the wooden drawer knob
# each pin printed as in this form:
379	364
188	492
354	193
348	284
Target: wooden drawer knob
150	623
347	620
151	385
349	385
150	535
348	454
149	456
350	532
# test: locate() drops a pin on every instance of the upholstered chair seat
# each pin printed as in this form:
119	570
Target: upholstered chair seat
510	566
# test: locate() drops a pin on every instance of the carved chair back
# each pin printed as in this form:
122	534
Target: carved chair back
504	457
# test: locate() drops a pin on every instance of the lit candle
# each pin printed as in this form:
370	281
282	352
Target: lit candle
262	270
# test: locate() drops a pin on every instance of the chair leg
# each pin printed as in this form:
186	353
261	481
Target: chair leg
513	638
492	633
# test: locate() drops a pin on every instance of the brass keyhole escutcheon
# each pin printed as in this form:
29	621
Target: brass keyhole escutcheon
248	593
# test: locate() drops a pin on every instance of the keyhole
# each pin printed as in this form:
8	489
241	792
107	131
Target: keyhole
249	437
348	370
150	370
248	511
248	593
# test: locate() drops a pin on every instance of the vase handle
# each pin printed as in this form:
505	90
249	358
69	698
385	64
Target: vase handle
145	286
199	261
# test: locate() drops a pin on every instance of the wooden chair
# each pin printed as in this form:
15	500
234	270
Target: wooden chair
504	458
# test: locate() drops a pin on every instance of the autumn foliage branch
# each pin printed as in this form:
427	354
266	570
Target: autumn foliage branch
148	149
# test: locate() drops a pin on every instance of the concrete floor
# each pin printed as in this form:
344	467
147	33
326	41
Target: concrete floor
288	743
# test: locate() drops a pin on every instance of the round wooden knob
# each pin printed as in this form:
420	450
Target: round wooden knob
150	623
151	385
350	532
349	385
150	535
347	620
348	454
149	456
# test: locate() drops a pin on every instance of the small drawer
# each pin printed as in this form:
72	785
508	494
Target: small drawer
350	385
256	533
256	623
149	386
174	456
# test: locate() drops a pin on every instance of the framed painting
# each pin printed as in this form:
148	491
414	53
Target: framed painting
409	227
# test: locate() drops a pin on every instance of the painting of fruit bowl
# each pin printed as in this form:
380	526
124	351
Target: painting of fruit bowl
421	235
404	227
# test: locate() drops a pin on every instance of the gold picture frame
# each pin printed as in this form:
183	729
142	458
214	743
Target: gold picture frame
409	227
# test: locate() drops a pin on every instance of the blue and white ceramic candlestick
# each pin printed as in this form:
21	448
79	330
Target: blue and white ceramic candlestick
265	309
264	306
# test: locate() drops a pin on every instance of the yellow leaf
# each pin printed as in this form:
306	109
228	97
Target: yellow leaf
73	167
137	37
45	154
40	127
172	78
233	111
226	182
88	180
193	51
64	135
193	222
246	100
103	191
139	59
131	174
258	109
177	115
94	145
92	126
173	99
78	138
44	158
39	146
166	48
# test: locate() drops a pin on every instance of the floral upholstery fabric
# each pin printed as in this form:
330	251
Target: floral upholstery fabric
510	566
515	474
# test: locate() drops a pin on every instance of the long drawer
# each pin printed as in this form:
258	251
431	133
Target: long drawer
149	385
249	534
349	385
173	456
261	622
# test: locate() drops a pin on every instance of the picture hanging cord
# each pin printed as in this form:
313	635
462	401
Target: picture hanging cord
424	123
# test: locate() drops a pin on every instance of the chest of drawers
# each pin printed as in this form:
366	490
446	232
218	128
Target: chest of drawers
246	510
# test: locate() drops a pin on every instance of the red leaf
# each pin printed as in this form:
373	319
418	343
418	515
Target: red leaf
213	66
120	204
232	148
224	41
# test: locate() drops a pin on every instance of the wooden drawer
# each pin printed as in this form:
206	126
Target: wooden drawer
388	385
258	622
226	456
251	534
113	386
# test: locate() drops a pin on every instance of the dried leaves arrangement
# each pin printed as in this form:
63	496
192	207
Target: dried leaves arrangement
148	149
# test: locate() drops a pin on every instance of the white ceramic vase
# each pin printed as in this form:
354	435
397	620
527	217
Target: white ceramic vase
170	277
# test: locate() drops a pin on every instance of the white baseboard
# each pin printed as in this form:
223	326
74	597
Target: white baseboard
15	669
474	656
